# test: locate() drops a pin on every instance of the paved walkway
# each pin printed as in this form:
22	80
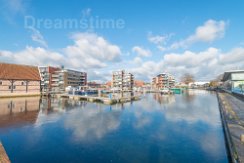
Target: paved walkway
3	156
233	109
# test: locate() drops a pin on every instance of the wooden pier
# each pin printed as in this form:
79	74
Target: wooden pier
105	100
3	155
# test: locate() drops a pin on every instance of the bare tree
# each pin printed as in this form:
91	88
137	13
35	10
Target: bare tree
187	78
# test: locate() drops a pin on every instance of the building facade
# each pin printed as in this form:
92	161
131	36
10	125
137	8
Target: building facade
66	77
122	81
46	73
163	80
233	81
19	80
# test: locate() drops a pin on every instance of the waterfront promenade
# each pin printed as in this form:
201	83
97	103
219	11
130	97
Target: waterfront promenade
3	156
232	110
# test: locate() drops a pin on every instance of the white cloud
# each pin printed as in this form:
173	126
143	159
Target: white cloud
190	59
33	56
204	65
137	61
91	51
140	51
210	31
91	124
37	37
159	40
88	52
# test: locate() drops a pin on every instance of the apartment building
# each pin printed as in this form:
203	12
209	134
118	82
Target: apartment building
163	80
66	77
122	81
46	73
19	80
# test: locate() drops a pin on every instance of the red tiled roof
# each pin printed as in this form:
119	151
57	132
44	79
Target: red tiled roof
19	72
139	83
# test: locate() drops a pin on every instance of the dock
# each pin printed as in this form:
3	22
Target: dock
105	100
3	155
232	115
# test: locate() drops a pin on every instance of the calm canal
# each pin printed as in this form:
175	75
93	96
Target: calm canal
158	128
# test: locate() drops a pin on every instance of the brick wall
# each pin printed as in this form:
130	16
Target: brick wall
19	86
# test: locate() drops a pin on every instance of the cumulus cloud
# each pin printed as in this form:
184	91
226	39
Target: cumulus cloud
140	51
33	56
88	51
208	32
204	65
91	51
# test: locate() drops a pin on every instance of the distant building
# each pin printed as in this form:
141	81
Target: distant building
93	84
163	80
122	81
46	73
139	85
66	77
19	80
108	84
233	81
199	84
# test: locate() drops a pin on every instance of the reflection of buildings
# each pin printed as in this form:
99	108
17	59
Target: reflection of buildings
18	111
51	105
163	80
164	99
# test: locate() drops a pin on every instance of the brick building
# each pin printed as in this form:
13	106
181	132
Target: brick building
18	80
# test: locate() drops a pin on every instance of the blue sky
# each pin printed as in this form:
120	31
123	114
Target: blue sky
204	38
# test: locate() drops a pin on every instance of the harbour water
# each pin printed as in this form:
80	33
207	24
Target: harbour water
158	128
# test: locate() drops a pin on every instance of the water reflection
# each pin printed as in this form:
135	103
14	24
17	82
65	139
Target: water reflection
92	123
157	128
164	99
18	111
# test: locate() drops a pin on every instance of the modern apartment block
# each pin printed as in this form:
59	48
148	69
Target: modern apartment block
46	73
122	81
19	80
163	80
66	77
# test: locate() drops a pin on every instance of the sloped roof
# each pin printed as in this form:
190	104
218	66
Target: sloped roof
18	72
228	73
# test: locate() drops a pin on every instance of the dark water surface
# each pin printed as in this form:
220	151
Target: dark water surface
175	128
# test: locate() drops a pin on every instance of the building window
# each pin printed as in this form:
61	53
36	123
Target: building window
9	87
22	83
1	82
